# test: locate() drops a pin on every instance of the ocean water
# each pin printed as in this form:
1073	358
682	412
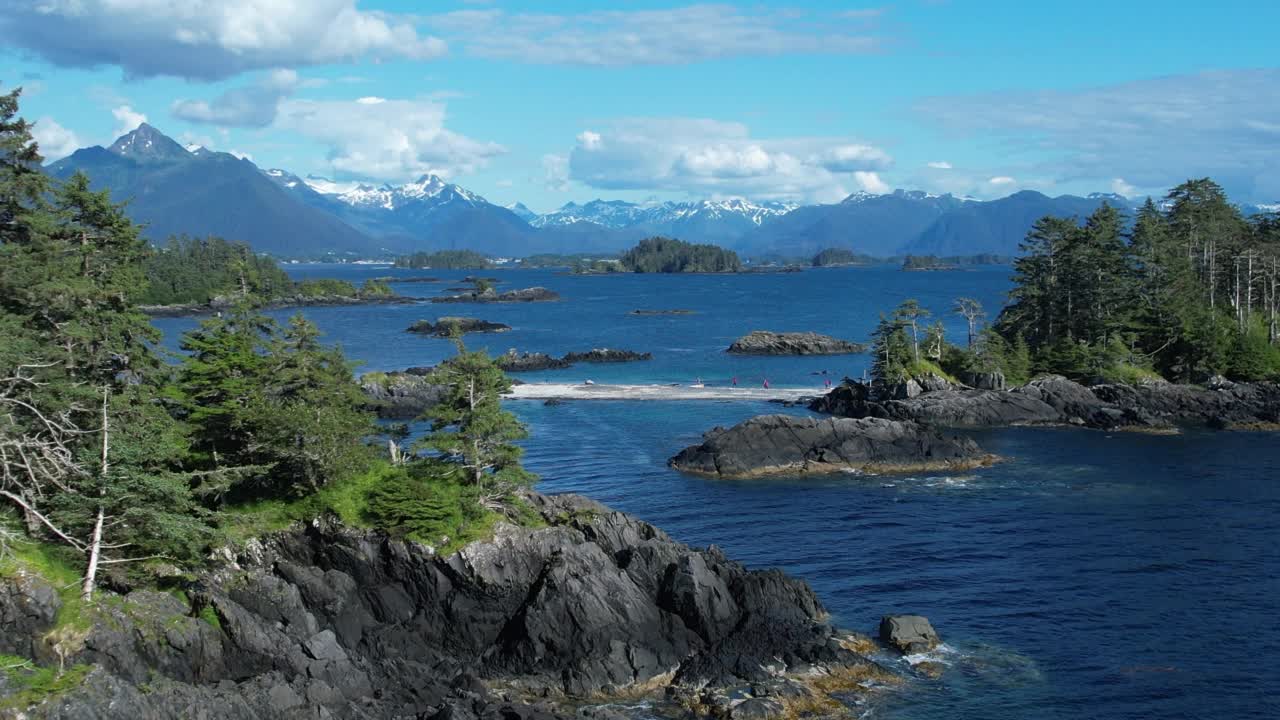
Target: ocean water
1092	575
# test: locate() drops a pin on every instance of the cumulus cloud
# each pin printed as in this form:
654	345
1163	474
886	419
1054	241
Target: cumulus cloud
1120	187
870	182
391	140
940	165
253	106
669	36
708	157
1001	180
1154	133
127	119
54	140
209	39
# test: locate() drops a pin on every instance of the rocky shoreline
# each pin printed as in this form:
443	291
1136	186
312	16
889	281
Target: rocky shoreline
218	305
764	342
445	326
323	621
789	445
513	361
1055	400
490	295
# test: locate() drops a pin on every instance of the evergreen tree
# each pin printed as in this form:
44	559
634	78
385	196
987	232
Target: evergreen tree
890	351
470	427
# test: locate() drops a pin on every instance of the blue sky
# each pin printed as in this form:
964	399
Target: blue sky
550	102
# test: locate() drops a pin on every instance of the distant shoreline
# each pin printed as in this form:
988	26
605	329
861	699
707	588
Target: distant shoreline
581	391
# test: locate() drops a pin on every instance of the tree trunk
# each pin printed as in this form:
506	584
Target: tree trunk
95	543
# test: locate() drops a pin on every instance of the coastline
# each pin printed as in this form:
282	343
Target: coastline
579	391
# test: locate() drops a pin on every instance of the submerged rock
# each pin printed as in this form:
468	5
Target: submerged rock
322	621
786	444
908	633
445	326
490	295
763	342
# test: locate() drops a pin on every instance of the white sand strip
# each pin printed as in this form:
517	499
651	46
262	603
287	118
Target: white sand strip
579	391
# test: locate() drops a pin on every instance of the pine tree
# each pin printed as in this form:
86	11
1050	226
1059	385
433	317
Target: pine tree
470	427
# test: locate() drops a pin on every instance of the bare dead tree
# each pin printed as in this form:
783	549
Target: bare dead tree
973	313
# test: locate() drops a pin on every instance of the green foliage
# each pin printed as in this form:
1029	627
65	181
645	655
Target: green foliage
270	411
374	288
838	256
31	684
925	262
445	260
1124	374
666	255
1252	357
470	427
325	287
193	270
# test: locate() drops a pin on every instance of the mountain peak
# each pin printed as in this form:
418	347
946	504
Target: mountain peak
147	144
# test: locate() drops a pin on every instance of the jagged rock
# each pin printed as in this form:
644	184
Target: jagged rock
908	633
314	619
490	295
763	342
786	444
984	380
446	326
606	355
401	394
512	361
758	709
28	606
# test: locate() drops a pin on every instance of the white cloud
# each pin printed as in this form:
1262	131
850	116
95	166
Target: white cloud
870	182
54	140
555	171
1154	133
1001	180
1120	187
394	140
371	100
669	36
127	120
209	39
712	158
940	165
253	106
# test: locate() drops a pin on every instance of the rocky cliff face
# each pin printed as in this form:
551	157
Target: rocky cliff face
785	444
1055	400
327	622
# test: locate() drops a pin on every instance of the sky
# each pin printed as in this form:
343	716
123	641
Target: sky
551	102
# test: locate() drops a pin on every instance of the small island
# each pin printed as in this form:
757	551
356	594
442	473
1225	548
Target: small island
840	257
668	255
513	361
763	342
445	260
485	293
448	325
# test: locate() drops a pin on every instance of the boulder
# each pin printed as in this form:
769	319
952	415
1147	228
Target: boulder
763	342
786	444
512	361
400	395
606	355
908	633
984	380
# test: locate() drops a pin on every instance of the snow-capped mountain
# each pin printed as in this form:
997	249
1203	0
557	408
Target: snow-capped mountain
427	189
520	211
619	214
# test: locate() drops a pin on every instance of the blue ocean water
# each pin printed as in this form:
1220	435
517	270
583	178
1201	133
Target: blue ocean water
1092	575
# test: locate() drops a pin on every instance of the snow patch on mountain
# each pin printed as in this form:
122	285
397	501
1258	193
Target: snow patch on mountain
390	197
621	214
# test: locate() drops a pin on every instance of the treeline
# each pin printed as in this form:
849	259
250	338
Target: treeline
116	462
933	262
196	271
840	256
1189	290
667	255
445	260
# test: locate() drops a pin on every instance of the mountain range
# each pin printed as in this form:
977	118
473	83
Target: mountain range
175	190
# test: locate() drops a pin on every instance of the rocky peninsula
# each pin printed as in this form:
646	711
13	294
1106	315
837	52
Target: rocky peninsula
490	295
323	621
786	444
1055	400
763	342
223	304
513	361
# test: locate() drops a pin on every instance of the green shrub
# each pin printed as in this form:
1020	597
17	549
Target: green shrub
1125	374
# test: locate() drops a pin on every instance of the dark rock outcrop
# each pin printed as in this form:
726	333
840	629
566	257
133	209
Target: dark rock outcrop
400	395
327	622
223	304
908	633
786	444
606	355
445	326
661	312
1055	400
512	361
490	295
763	342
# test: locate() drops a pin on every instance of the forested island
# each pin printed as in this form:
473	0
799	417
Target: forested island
667	255
838	257
445	260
